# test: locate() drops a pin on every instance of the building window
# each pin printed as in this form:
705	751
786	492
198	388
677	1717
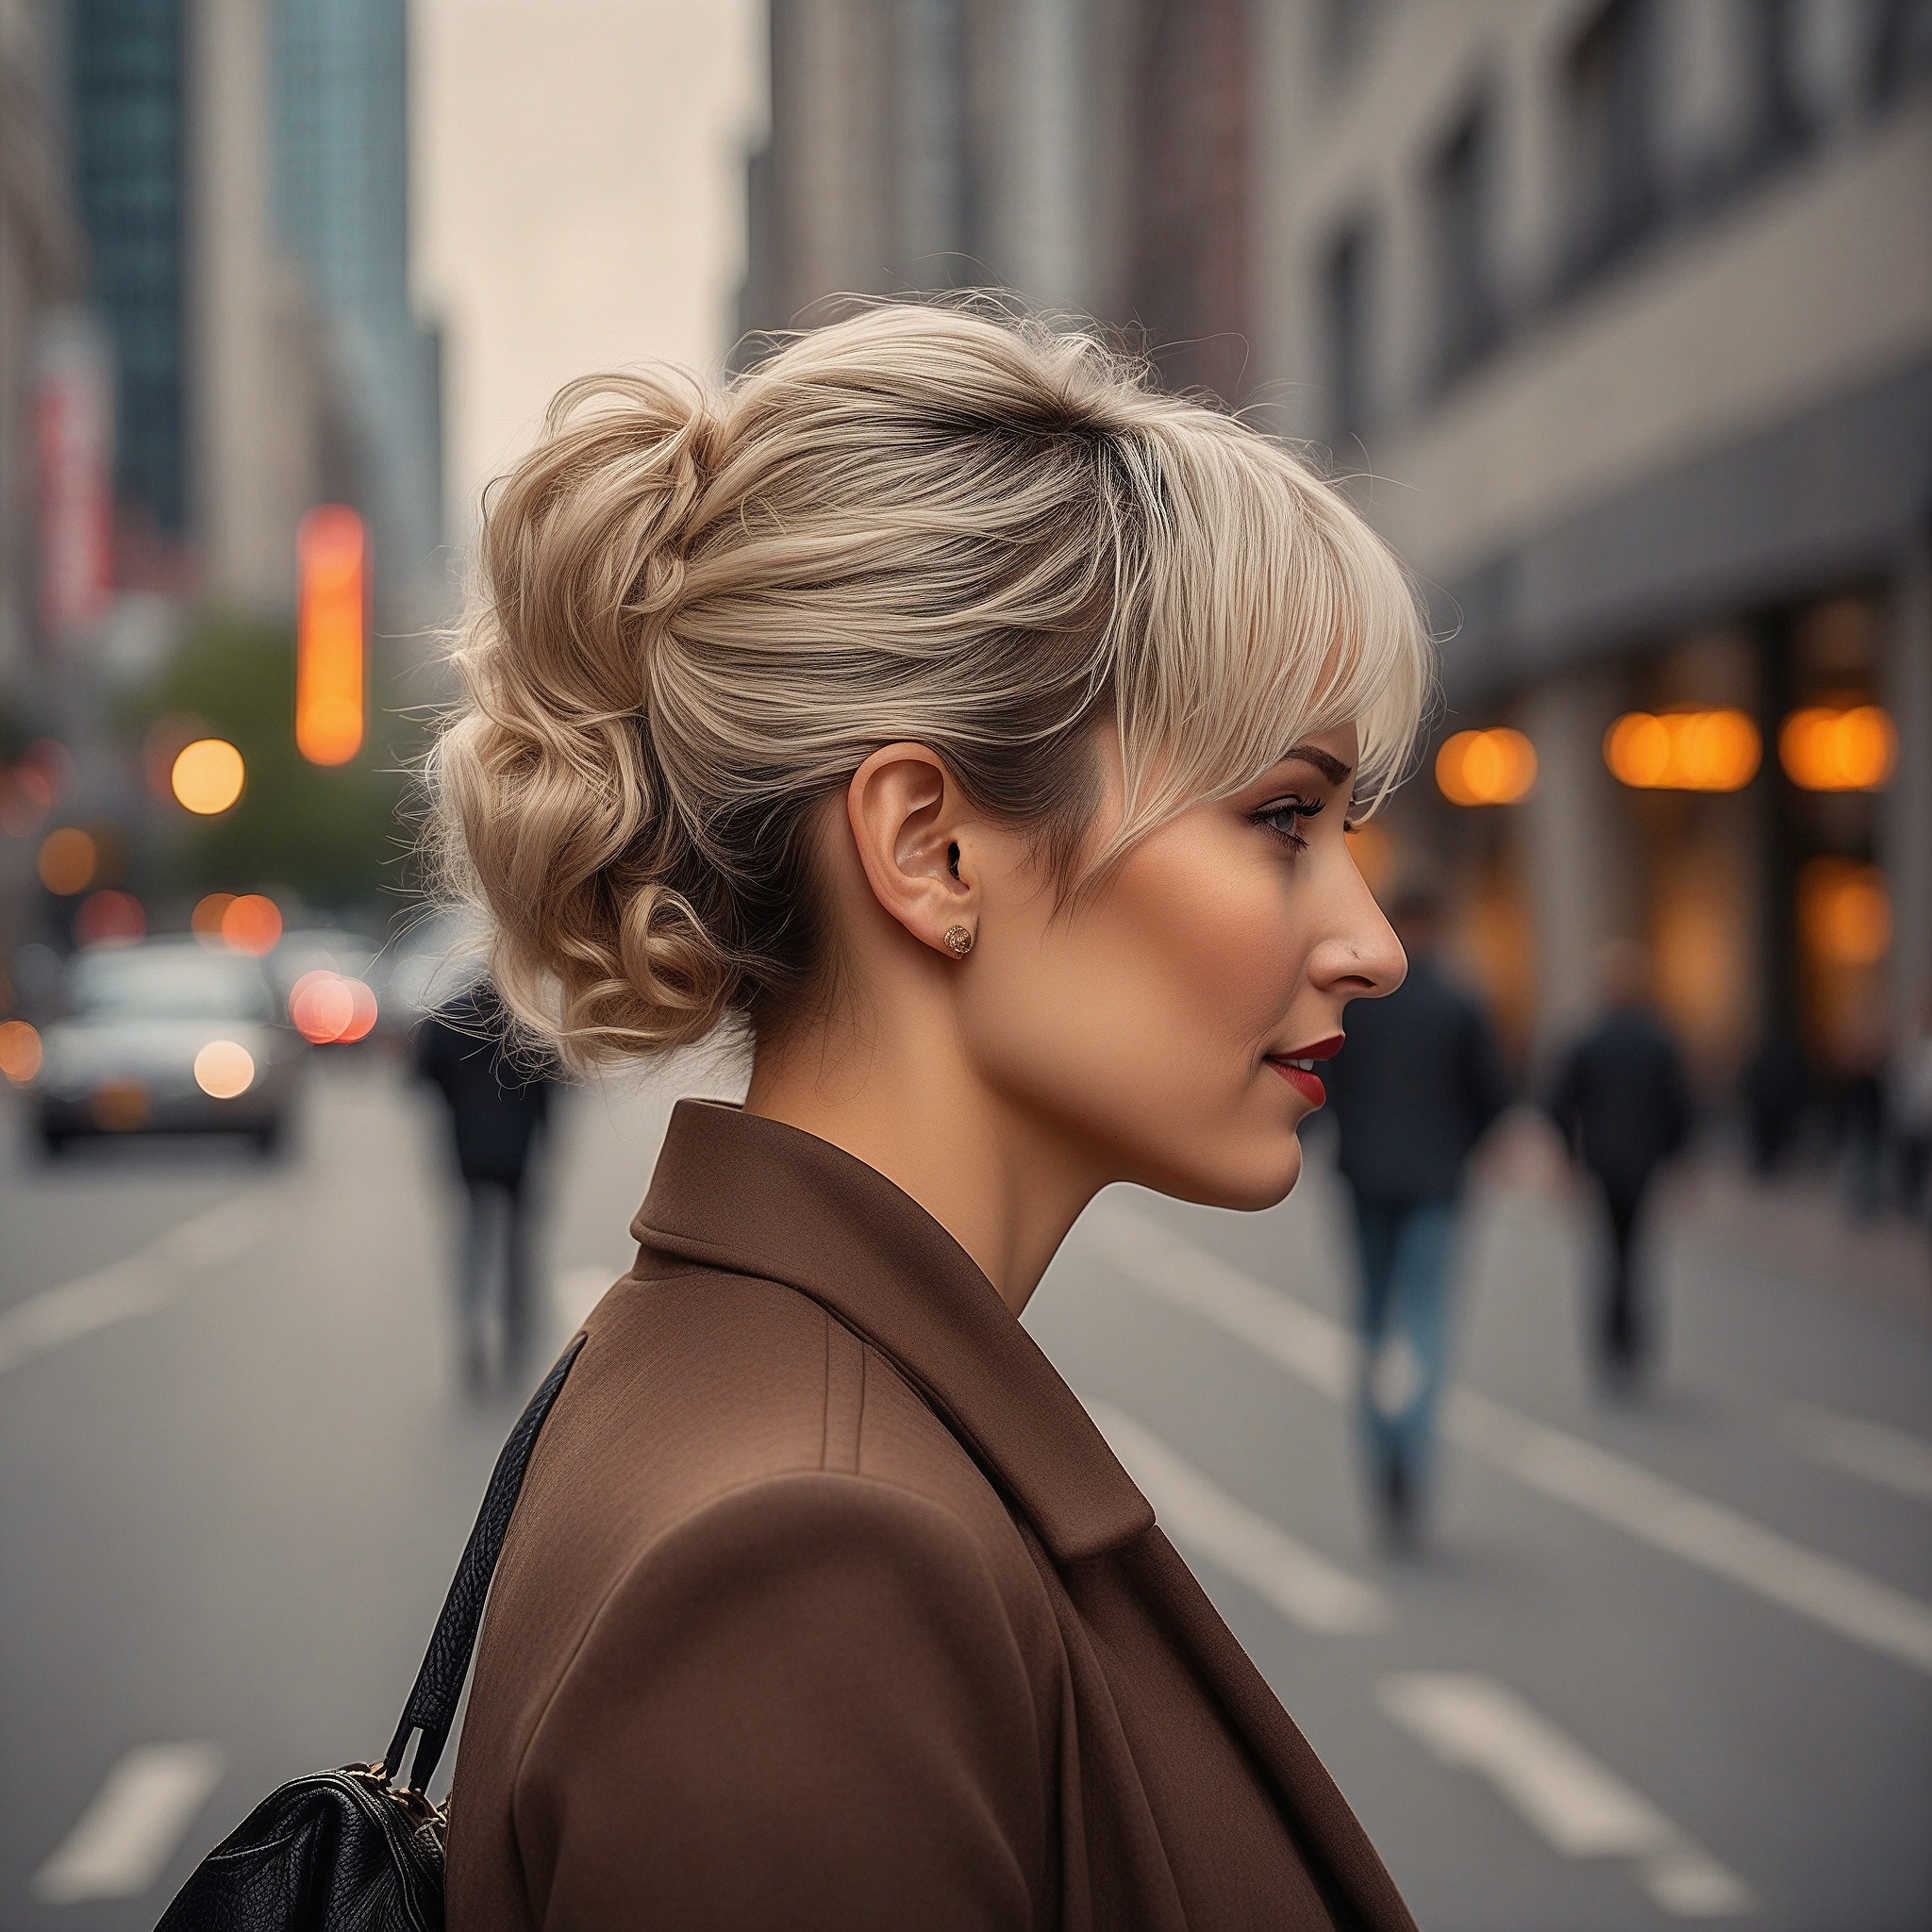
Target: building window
1345	326
1609	102
1461	204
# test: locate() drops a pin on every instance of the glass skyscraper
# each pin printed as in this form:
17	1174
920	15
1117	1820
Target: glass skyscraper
341	197
127	59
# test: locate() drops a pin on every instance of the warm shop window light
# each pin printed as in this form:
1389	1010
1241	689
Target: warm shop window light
1844	912
1827	749
1485	767
1684	751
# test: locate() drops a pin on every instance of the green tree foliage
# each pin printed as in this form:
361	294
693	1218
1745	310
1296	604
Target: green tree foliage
334	835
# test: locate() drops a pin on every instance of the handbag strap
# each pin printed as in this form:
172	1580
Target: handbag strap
438	1688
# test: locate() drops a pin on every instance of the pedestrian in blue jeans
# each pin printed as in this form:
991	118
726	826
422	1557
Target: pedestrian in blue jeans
1415	1088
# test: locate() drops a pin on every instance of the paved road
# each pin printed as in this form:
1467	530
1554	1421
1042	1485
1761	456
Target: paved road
1666	1662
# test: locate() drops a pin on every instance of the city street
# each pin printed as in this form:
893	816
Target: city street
1661	1661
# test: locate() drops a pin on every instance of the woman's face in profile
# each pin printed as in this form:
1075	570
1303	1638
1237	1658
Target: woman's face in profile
1157	1024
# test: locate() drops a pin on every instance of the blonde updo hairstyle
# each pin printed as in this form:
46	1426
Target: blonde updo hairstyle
700	610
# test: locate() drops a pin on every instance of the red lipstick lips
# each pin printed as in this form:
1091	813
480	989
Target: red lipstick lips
1298	1070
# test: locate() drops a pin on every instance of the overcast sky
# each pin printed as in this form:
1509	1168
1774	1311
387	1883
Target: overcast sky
579	198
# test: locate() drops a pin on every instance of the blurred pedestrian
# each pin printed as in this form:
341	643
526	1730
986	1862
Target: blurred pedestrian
1777	1089
498	1091
1621	1103
1415	1088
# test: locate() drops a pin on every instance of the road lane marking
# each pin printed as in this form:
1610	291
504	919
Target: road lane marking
1876	1451
1579	1806
1654	1509
1712	1535
125	1838
143	1282
1305	1587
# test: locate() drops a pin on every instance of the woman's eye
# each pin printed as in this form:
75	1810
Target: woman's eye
1284	818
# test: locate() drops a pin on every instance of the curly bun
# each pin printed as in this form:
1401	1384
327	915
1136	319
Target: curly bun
700	610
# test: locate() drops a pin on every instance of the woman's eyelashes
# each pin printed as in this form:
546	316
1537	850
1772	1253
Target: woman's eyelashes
1283	818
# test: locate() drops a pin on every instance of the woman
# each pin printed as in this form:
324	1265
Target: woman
975	729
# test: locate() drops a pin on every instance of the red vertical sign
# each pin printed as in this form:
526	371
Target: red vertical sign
74	445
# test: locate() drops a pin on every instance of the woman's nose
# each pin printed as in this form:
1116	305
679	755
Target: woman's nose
1360	957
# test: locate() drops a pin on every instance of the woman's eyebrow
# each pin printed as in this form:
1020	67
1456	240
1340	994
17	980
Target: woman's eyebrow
1331	767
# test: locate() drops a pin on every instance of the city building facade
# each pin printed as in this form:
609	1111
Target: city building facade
240	169
1617	314
1620	314
1086	156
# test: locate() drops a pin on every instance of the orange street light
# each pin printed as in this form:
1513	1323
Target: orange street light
209	910
1684	751
208	776
1485	767
332	551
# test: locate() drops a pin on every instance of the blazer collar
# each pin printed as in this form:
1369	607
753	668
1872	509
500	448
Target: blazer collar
735	1192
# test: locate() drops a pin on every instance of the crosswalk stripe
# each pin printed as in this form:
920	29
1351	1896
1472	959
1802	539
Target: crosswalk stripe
1305	1587
1657	1510
1579	1805
125	1838
1876	1451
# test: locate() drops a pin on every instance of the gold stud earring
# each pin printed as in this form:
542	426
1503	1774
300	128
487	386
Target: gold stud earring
959	942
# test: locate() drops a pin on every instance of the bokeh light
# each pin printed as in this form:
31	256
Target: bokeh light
68	861
108	916
20	1051
362	1020
208	776
320	1005
1844	912
209	910
328	1008
1823	749
223	1069
1485	767
1684	751
252	924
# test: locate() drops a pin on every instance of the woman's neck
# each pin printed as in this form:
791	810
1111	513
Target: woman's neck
905	1101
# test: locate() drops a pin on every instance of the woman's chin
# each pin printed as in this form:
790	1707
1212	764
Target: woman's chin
1251	1176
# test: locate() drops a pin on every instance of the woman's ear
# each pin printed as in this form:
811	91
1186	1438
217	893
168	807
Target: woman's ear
907	816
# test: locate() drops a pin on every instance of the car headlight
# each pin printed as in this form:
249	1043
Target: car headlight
223	1069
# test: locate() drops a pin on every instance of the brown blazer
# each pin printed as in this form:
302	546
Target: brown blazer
826	1606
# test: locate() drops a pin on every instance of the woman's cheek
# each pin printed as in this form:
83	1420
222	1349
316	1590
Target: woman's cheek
1224	940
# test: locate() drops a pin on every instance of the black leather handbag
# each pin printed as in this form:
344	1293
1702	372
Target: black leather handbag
353	1848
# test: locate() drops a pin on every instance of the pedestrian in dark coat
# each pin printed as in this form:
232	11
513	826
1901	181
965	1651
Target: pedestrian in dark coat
498	1094
1415	1088
1621	1103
